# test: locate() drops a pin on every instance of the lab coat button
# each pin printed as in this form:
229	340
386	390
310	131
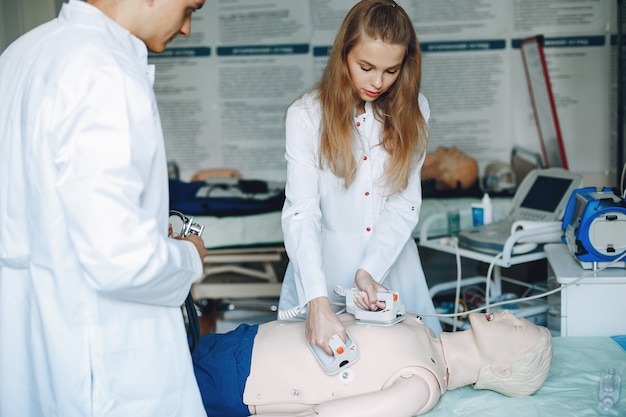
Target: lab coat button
365	158
369	229
358	124
367	193
295	393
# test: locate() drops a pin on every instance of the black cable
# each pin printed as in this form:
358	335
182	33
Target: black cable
194	323
192	314
621	155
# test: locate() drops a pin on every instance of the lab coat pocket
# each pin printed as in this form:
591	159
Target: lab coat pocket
142	367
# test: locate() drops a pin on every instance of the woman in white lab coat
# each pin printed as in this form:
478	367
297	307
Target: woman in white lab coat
90	283
355	145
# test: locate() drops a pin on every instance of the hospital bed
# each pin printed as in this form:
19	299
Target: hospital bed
249	248
571	389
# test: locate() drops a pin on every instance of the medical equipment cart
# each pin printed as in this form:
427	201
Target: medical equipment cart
593	306
508	258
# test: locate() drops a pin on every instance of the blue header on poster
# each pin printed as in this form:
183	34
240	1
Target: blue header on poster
196	52
464	46
250	50
568	42
321	51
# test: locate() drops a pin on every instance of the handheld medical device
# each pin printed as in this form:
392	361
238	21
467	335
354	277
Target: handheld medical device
594	226
344	354
393	312
188	227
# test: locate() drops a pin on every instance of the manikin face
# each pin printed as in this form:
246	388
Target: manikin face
167	19
502	337
374	66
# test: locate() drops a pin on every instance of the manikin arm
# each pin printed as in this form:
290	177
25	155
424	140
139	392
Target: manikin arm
406	397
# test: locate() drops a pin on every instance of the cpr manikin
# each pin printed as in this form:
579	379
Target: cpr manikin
403	367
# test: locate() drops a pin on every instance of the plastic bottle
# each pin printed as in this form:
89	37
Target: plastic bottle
482	213
487	206
608	394
454	221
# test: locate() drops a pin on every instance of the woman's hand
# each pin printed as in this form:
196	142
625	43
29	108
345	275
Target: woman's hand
368	299
322	323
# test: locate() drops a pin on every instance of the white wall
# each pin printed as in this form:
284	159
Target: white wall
19	16
222	92
193	85
11	22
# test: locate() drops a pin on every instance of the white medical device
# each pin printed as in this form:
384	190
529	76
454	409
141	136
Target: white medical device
344	354
393	313
541	197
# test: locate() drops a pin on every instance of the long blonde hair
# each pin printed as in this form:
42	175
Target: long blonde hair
405	132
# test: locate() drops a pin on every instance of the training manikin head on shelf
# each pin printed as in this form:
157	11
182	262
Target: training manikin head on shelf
403	367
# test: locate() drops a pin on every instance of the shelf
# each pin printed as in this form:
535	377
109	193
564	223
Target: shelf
533	310
506	259
445	245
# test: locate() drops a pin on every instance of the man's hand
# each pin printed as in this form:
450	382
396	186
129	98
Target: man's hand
195	239
199	244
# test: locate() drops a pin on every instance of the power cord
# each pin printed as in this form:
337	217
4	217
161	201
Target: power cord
299	312
295	312
522	299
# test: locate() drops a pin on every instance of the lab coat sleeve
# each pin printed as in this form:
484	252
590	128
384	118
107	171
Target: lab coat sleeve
398	218
301	216
112	184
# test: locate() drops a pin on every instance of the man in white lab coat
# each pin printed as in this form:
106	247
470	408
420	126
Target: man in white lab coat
90	283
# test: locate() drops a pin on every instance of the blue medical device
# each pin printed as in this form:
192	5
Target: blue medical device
594	226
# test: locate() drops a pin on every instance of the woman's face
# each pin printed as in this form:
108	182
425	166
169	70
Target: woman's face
374	66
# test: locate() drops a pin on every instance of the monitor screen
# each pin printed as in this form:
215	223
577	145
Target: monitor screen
546	193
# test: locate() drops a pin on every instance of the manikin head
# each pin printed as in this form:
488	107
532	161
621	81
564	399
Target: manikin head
516	353
455	170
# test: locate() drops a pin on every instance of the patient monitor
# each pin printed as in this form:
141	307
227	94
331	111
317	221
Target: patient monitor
540	200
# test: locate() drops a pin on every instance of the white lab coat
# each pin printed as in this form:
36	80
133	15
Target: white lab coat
90	284
330	232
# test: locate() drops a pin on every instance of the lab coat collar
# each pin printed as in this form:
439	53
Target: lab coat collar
78	12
